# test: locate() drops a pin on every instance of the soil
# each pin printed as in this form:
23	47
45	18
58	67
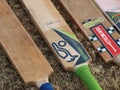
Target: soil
108	75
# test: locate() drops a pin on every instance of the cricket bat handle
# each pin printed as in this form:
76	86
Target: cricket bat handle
46	86
84	73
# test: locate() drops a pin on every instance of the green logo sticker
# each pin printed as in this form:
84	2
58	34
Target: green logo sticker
92	23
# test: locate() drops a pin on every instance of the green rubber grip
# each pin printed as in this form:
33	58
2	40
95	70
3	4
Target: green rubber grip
84	73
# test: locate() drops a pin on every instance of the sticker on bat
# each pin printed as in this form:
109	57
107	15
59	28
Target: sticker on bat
61	50
104	37
69	48
115	17
90	23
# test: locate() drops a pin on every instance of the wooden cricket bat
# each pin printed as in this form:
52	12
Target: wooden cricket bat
95	27
111	9
22	51
61	40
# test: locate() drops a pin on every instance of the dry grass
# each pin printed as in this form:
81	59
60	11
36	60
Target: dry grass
108	75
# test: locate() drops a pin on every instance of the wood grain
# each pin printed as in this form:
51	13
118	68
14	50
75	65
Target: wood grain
47	18
82	10
21	49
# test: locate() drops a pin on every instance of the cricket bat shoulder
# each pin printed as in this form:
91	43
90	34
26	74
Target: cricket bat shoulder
57	33
20	48
61	40
93	24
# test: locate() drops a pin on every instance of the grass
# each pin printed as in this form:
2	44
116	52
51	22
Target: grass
108	75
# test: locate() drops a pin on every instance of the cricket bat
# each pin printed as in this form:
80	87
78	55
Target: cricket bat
100	32
22	51
111	9
61	40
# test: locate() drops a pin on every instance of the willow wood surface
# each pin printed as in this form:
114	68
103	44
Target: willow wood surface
88	18
57	33
111	9
22	51
107	74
